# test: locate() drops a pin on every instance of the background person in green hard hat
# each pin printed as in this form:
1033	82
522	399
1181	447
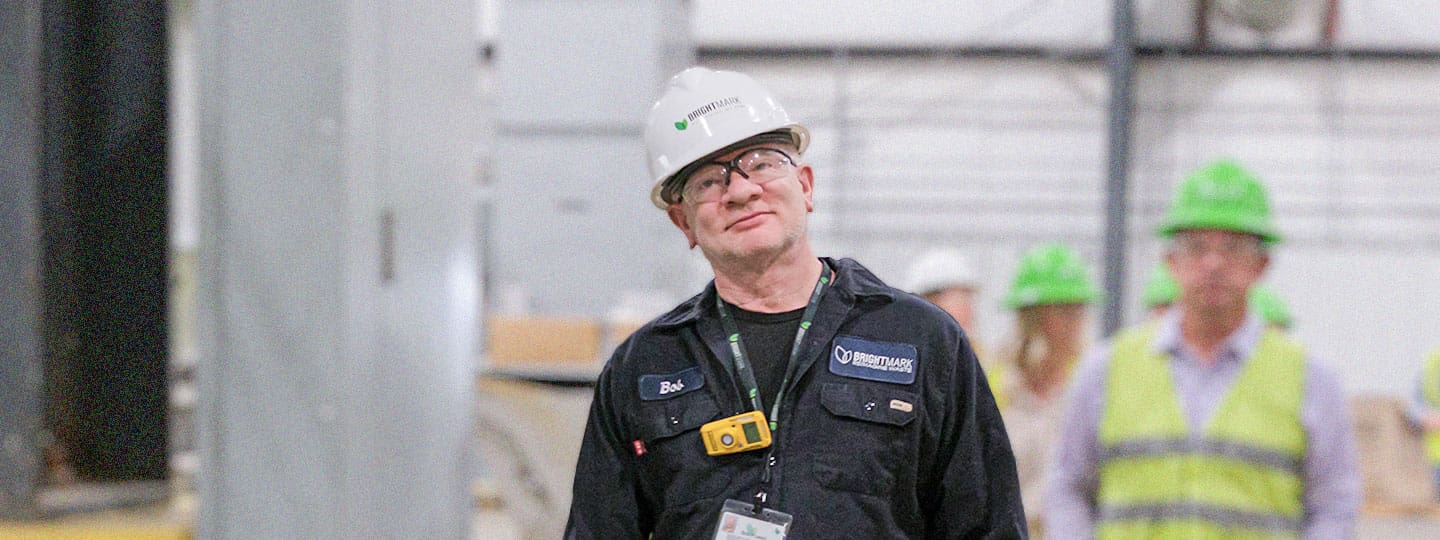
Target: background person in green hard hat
1161	290
1050	293
1206	423
1270	307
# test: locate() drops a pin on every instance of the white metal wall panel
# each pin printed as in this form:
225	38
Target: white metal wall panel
924	23
1365	24
1386	24
573	228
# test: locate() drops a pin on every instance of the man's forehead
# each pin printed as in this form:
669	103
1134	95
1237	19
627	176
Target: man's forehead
1219	234
732	152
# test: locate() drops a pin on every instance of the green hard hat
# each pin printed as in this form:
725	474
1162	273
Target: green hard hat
1271	308
1221	195
1161	289
1051	274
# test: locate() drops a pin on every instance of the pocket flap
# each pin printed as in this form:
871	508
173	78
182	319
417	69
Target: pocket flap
869	403
676	416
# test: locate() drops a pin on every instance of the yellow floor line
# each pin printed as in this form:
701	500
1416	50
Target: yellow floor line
92	531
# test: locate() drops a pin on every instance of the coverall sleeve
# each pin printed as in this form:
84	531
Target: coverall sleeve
605	501
979	494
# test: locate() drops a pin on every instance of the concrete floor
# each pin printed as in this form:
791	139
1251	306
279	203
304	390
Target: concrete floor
528	436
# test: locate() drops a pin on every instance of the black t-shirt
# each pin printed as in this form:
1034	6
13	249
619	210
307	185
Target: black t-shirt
768	338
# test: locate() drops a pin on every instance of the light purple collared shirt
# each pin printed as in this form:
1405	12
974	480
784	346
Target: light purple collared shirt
1331	470
1419	406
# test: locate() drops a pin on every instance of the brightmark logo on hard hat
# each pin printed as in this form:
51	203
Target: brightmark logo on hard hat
706	110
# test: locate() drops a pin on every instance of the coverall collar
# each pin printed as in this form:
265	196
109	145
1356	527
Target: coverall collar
852	280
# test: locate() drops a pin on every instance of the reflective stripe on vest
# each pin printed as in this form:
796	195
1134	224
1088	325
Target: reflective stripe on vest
1241	478
1430	387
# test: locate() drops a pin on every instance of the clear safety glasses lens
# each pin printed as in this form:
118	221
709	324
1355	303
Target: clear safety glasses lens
758	166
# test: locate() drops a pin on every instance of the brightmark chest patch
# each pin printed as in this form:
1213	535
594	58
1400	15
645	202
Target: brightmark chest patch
656	387
882	361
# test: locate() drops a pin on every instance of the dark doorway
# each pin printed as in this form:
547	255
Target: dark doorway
103	208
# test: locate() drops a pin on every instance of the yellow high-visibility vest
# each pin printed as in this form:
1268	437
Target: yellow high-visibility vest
1430	387
995	376
1241	478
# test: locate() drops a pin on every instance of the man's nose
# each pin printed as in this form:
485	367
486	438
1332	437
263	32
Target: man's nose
1213	258
741	189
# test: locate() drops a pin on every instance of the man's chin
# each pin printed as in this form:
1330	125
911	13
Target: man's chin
1218	306
740	252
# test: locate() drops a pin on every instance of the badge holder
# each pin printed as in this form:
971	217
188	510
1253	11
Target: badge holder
738	521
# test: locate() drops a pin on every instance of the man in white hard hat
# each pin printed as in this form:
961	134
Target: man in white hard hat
796	396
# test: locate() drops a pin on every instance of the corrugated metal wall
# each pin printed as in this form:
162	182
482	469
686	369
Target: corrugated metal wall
995	154
995	139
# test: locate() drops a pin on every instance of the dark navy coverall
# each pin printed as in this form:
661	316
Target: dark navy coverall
857	454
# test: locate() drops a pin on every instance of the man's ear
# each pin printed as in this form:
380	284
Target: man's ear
1264	263
807	186
681	221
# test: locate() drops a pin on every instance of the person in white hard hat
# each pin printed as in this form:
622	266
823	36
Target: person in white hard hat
796	396
945	277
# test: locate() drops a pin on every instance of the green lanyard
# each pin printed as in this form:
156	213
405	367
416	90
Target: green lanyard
744	371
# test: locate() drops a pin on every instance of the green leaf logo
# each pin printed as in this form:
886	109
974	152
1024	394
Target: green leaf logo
681	125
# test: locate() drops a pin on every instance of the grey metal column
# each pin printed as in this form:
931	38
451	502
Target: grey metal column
337	274
1120	63
21	357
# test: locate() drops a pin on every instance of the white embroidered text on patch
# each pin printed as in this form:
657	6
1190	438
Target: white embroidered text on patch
883	361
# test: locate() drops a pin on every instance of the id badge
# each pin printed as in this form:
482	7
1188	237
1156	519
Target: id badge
738	521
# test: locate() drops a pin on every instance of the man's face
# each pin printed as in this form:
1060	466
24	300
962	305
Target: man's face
1061	322
959	302
1215	269
749	220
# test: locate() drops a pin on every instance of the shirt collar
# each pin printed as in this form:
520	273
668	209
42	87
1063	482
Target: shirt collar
1237	346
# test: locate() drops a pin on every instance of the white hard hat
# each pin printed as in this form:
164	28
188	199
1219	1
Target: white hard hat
940	268
703	111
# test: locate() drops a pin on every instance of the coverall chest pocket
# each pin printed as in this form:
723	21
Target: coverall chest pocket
674	457
870	432
869	403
